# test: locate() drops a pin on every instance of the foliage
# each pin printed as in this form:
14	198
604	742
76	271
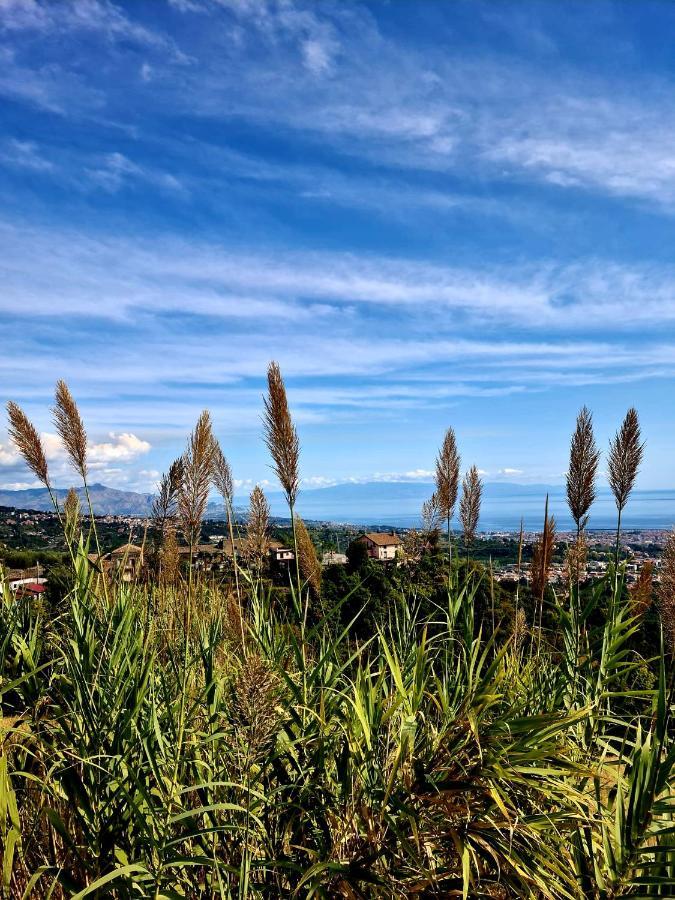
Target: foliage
322	758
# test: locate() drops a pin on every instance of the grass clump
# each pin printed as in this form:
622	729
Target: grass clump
178	737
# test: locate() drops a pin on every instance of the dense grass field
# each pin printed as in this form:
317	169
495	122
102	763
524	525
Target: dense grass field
178	736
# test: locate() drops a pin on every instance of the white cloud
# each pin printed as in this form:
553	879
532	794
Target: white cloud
318	481
8	455
80	273
508	472
317	56
120	448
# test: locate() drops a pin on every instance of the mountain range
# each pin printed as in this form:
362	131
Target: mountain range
317	503
396	504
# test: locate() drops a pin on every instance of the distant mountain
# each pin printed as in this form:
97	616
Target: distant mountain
106	501
341	502
397	504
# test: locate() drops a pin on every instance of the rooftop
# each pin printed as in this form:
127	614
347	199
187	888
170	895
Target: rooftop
383	539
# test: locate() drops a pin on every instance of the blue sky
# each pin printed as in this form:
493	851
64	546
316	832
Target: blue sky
430	214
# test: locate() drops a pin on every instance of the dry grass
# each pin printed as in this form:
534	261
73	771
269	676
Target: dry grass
666	596
584	458
469	505
447	475
193	492
308	561
257	529
222	476
542	555
25	437
71	428
281	436
71	516
625	456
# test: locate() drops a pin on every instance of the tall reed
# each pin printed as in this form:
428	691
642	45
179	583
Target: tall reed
625	456
583	467
310	567
666	592
469	506
197	473
281	438
447	481
224	484
540	569
257	530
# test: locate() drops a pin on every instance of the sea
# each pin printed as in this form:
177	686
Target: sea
501	510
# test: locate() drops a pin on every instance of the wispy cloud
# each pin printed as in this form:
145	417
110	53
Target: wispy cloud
115	170
171	275
94	16
24	155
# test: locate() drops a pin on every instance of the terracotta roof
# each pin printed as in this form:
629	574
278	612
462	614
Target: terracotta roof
382	539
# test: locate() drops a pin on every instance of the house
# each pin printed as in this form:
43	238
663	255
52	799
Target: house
280	555
381	545
127	559
331	558
20	578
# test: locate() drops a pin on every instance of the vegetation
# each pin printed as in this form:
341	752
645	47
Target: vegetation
174	737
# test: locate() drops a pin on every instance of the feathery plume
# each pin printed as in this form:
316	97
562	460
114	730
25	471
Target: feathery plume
224	484
576	558
71	516
281	436
222	476
71	428
308	561
666	595
584	458
542	555
413	546
640	592
469	505
447	475
164	504
257	537
170	557
25	437
255	694
193	493
431	515
519	629
625	457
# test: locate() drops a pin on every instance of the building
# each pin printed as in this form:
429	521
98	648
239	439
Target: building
20	578
383	546
331	558
127	559
280	555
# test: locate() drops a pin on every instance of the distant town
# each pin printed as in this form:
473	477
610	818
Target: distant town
31	542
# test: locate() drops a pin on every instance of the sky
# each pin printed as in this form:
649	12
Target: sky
431	214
